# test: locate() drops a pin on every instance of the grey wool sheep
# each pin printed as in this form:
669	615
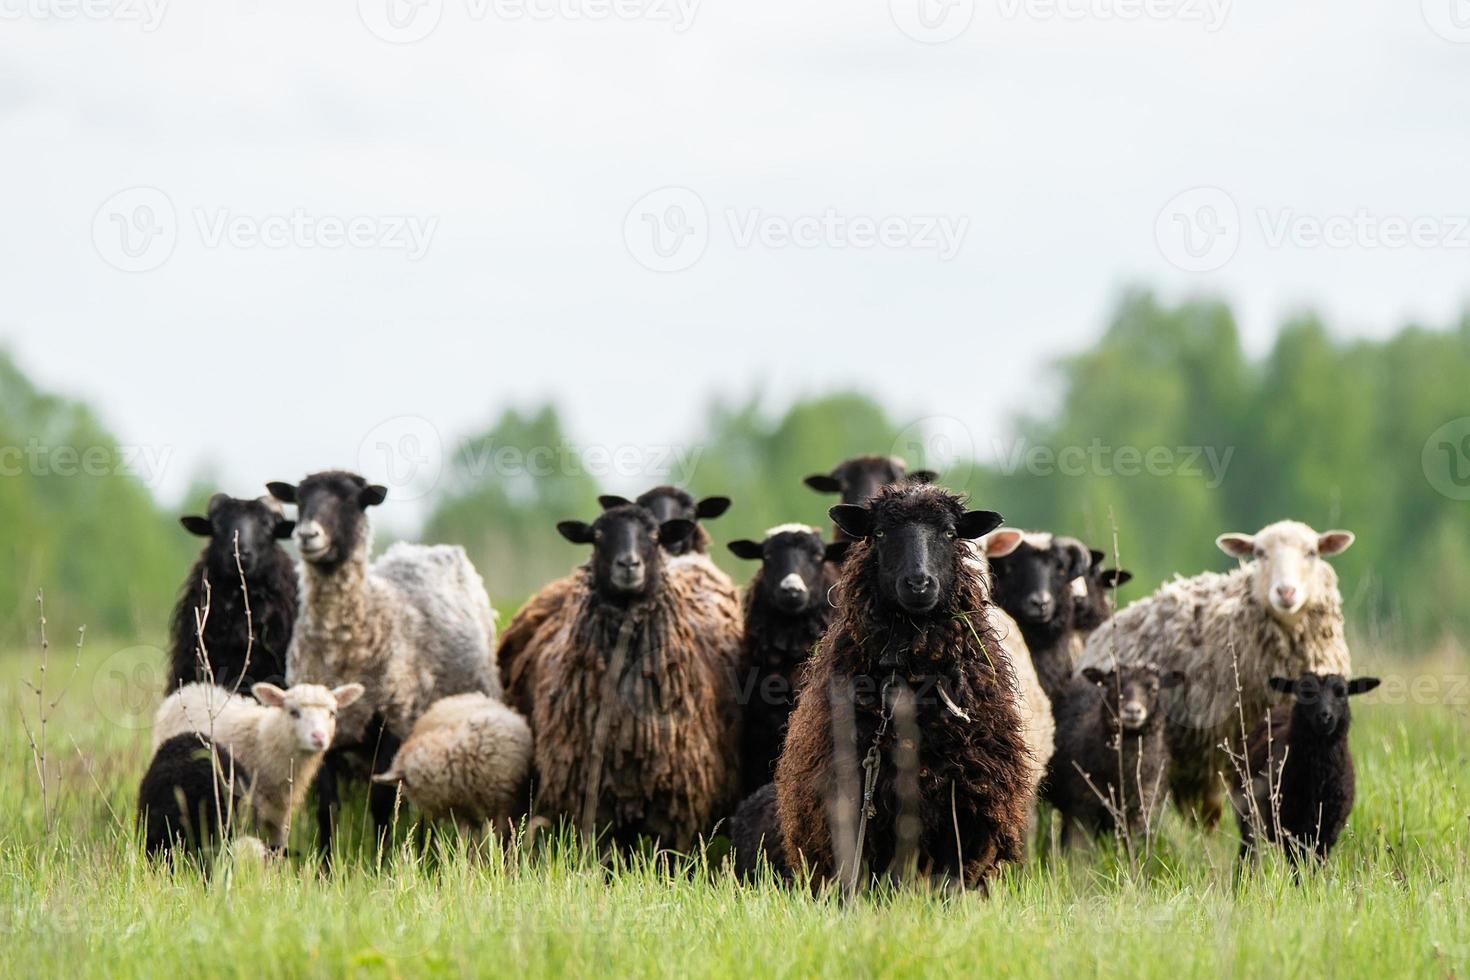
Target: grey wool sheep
468	759
1278	614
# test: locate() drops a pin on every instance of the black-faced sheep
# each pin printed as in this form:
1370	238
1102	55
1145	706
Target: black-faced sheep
637	728
412	627
1277	615
1092	596
192	787
238	649
1299	783
279	738
1033	584
671	503
1111	759
911	648
860	478
468	759
787	609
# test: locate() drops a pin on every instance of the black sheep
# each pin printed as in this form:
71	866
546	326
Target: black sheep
1033	584
787	608
1110	758
672	504
1299	782
187	794
1092	605
231	658
860	478
755	832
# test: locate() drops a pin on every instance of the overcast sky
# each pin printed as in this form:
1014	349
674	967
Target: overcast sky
253	233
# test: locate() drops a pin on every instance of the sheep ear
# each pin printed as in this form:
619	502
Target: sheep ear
348	694
372	496
1172	679
282	491
197	525
1081	558
577	532
269	694
1001	543
1096	556
1334	542
822	483
1282	685
284	529
711	507
610	500
977	523
675	531
1093	675
1362	685
854	519
745	548
1114	577
836	551
923	476
1236	545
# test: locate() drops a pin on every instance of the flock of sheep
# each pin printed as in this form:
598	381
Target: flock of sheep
896	700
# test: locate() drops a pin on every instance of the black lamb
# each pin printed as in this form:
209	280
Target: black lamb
186	796
230	657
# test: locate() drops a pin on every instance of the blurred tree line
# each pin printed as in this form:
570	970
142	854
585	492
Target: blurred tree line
1163	434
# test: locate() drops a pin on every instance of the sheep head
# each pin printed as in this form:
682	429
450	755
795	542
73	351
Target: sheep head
1284	558
251	527
331	518
627	563
793	559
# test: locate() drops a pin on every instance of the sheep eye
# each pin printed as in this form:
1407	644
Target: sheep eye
295	713
949	533
879	533
1312	553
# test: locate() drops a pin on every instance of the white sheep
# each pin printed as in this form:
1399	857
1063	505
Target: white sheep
278	739
1277	615
469	758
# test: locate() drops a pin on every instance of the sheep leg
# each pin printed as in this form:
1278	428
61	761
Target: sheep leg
381	799
326	807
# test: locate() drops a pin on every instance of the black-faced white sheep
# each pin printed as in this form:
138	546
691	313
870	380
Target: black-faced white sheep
1277	615
468	758
237	649
911	648
279	738
636	724
1299	784
412	627
787	609
860	478
1111	759
192	787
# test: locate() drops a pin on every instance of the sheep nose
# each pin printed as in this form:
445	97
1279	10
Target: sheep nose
1040	604
919	584
792	585
630	562
319	739
1286	593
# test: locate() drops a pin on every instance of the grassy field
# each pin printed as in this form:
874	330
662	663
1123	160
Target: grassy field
77	899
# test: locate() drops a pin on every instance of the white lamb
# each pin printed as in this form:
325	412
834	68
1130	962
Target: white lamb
1277	615
279	739
468	758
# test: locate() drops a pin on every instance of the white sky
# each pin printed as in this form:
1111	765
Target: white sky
1051	136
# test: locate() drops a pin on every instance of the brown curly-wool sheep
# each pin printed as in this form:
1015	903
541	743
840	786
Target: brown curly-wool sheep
912	618
633	707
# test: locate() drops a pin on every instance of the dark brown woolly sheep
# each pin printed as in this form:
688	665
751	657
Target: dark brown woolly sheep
1111	758
787	609
633	710
1300	781
860	478
911	632
238	650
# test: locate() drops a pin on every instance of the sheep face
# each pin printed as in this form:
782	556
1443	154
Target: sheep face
312	710
626	560
859	479
1285	555
1130	695
331	518
252	526
1034	582
1092	605
792	558
917	536
1322	699
670	503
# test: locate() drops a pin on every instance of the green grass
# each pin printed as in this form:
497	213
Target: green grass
77	898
